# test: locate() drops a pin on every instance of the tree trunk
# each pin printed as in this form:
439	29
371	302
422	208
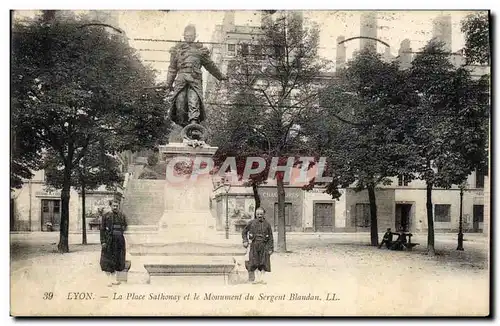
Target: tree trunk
256	197
430	222
84	224
281	247
373	215
63	246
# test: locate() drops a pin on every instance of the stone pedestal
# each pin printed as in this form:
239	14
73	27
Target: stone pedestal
186	244
187	213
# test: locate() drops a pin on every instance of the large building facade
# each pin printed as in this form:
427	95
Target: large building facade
36	207
399	205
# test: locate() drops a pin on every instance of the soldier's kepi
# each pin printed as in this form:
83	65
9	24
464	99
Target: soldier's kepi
184	73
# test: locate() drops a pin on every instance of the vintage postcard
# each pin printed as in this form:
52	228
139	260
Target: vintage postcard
250	163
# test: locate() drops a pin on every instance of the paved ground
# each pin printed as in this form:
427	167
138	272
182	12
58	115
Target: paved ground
365	280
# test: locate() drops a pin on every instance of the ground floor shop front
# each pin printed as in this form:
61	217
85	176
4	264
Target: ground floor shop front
34	207
316	211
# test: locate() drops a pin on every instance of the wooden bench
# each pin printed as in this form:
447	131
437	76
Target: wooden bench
409	245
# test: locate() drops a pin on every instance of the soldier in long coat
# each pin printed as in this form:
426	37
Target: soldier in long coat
259	232
186	60
113	248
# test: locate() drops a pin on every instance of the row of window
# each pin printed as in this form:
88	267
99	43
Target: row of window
244	49
442	213
323	216
404	181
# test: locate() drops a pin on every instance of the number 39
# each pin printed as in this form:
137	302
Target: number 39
48	295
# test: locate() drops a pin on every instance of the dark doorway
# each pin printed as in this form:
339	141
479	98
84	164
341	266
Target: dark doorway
403	217
323	217
477	217
51	214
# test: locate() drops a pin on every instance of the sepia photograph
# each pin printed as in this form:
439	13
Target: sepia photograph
243	163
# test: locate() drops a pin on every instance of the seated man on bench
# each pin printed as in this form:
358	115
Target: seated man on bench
410	244
400	242
387	239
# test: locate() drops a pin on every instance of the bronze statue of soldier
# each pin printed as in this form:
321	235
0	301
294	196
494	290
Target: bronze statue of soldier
185	80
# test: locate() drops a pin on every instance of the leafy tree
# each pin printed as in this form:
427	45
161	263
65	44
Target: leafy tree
237	136
363	112
448	127
25	157
476	28
95	169
277	85
77	85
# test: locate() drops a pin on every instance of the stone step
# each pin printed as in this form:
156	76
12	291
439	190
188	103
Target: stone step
143	205
178	259
170	267
142	228
188	269
141	183
183	249
172	218
181	281
147	186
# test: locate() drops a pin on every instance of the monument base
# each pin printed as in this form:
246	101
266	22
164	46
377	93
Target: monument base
186	243
187	219
187	226
187	215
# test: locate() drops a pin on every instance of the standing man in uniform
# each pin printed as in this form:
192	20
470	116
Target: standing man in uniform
113	249
186	60
259	232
